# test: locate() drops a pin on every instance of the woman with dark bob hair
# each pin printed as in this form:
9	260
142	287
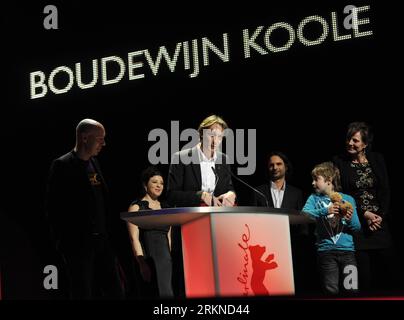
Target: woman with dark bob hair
152	247
364	176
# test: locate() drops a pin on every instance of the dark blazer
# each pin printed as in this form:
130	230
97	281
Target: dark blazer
185	180
292	199
70	200
376	161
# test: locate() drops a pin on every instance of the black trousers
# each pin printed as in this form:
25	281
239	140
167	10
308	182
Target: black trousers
379	271
92	270
331	265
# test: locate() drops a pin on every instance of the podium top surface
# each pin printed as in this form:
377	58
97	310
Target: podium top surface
179	216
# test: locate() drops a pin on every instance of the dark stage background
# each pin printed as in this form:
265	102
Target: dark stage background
299	101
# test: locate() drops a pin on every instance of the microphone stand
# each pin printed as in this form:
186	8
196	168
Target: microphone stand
246	184
216	181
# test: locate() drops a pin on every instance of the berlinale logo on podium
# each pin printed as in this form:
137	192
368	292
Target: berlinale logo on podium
259	266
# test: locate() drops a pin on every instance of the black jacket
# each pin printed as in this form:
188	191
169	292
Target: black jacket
185	180
292	198
70	200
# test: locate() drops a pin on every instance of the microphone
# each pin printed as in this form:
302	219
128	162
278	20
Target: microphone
216	181
216	177
249	186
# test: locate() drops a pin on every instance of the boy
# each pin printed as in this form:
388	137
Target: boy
336	219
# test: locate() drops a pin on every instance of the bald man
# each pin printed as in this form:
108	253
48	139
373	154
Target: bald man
77	207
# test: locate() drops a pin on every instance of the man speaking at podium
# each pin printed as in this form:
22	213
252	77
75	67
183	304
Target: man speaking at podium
199	176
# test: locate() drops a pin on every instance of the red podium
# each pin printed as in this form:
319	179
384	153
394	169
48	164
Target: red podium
240	251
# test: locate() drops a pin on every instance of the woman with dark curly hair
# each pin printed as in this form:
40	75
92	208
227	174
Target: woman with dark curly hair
152	247
364	176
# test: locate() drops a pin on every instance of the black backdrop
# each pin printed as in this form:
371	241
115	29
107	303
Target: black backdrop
299	101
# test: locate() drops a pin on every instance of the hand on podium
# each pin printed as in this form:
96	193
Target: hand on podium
227	199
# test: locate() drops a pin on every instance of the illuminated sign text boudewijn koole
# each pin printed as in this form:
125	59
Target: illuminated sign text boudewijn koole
191	56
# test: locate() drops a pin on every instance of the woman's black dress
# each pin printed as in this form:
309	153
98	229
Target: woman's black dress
156	251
